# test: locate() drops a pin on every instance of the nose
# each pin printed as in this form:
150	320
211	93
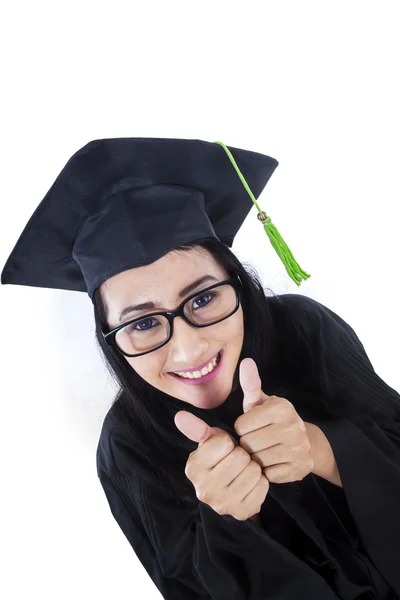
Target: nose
189	344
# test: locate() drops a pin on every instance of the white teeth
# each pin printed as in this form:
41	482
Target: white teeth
196	374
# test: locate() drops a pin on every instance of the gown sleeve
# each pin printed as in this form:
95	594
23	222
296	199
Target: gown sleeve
365	442
173	573
205	555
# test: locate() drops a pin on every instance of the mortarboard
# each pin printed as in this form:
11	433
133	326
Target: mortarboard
121	203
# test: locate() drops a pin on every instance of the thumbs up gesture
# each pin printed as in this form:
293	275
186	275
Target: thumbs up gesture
271	430
221	471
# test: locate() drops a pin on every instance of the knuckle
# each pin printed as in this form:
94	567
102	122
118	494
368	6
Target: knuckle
241	513
242	454
302	425
191	467
265	481
220	508
188	469
286	405
255	466
285	409
203	495
228	444
227	441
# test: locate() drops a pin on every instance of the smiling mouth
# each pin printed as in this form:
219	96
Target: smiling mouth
218	357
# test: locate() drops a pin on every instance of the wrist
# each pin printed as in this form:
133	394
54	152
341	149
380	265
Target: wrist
322	454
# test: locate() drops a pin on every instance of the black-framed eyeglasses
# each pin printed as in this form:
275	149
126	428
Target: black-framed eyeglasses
136	337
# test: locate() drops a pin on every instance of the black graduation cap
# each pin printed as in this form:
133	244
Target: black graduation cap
121	203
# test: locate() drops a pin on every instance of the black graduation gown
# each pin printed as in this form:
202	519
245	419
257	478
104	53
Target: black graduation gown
315	540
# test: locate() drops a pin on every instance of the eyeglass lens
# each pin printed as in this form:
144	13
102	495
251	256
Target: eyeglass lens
148	332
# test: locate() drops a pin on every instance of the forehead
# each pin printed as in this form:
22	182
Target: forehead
159	281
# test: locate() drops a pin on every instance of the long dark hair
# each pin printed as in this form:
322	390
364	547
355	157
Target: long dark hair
294	372
149	413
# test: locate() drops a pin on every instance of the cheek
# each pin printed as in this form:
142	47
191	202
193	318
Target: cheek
237	324
231	330
148	367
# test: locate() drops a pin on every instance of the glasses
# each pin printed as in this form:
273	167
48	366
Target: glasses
150	332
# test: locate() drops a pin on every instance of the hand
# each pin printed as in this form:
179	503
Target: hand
222	473
271	430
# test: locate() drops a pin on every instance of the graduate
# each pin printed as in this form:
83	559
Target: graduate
251	452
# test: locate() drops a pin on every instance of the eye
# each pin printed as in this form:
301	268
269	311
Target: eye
209	295
141	325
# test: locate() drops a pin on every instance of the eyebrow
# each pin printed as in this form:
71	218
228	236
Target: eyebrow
150	305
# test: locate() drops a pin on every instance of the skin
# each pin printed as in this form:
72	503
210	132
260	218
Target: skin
189	346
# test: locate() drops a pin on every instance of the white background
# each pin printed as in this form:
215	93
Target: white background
313	84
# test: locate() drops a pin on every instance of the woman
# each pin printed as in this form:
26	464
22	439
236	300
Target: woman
277	476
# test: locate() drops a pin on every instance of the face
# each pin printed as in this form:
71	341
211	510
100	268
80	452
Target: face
190	347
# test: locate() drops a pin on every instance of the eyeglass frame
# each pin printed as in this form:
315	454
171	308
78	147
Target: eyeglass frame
235	282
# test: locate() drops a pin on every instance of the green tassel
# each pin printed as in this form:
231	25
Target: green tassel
292	267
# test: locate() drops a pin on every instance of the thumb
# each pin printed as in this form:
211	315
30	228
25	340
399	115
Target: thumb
250	383
195	428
